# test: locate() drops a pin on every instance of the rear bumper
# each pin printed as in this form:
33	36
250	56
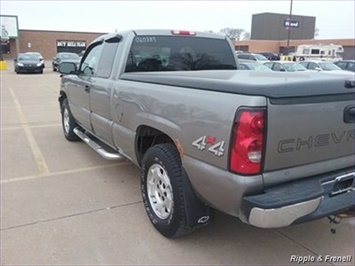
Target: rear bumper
301	201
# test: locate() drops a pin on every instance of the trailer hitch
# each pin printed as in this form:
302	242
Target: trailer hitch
334	220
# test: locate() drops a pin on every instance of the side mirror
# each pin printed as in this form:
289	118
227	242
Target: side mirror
68	68
15	59
282	70
318	69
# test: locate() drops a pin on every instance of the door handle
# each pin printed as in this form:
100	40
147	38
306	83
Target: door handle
349	114
87	88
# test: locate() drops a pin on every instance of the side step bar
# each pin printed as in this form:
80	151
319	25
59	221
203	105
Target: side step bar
96	147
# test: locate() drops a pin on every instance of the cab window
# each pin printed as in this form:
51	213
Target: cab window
89	66
106	60
172	53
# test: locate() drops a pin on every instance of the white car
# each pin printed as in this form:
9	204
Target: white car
285	66
326	67
253	57
321	66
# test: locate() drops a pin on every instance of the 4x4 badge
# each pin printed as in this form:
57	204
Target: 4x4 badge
216	148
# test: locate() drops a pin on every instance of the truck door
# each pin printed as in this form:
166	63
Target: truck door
81	85
101	91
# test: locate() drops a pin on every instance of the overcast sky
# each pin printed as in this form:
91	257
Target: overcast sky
335	19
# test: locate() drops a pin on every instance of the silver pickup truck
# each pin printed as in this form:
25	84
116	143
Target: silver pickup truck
273	149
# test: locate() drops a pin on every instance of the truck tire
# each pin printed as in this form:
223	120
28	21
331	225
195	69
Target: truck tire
168	197
68	122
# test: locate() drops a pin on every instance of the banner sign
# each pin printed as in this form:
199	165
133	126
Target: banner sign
291	23
71	44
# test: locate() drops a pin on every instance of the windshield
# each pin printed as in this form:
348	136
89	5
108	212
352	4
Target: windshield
329	66
28	57
260	57
70	56
291	67
170	53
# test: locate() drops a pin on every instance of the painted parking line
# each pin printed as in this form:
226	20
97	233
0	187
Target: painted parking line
29	126
40	162
73	171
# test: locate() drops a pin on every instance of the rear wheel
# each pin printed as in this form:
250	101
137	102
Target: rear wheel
168	197
68	122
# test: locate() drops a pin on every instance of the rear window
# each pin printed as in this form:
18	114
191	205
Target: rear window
169	53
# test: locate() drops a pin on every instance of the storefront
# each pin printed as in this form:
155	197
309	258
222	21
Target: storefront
9	32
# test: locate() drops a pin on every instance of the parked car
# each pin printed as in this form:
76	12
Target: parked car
320	65
327	67
253	57
346	65
39	56
64	57
252	65
239	52
271	56
28	62
285	66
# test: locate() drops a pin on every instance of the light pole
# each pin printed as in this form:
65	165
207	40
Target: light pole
289	27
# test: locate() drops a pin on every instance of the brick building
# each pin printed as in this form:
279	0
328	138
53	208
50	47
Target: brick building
48	43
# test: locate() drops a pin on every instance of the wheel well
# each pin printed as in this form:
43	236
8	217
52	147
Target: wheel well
147	137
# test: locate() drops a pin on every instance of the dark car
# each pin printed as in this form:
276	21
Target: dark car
64	57
81	53
28	63
39	56
346	65
271	56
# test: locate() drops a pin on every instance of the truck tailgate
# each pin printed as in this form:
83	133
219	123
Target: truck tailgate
305	130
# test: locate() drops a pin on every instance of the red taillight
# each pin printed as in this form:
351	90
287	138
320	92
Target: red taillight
248	142
182	32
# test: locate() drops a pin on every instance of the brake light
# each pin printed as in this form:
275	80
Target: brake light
183	32
248	141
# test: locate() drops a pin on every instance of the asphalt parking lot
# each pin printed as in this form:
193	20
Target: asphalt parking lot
61	203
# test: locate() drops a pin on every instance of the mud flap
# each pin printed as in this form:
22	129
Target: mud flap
198	214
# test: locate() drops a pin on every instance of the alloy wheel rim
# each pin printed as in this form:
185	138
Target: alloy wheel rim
66	120
160	192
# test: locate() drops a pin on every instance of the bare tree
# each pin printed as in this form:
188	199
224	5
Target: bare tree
233	33
246	36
